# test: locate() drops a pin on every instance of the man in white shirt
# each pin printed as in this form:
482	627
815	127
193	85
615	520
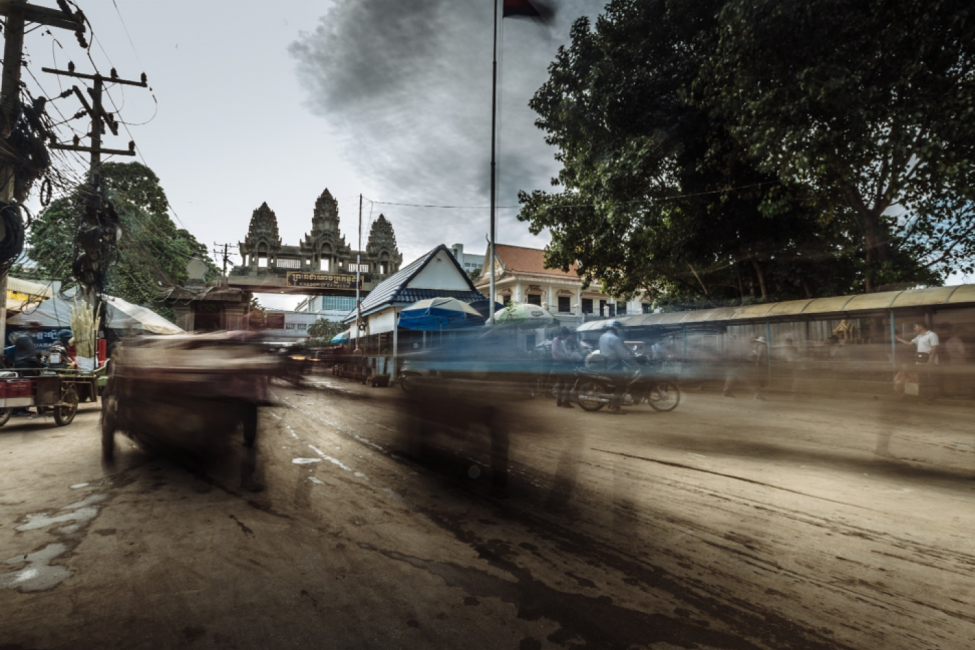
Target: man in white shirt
926	356
927	344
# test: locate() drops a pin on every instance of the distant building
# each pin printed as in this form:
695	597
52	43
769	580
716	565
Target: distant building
520	275
333	308
433	275
288	326
469	262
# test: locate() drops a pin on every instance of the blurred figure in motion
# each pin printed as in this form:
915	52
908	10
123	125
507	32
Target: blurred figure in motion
955	379
614	351
925	357
186	395
749	368
566	353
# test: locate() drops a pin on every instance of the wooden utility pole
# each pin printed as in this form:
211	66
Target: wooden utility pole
106	232
18	13
225	255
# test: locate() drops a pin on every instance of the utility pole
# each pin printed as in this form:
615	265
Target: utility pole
225	255
18	13
101	222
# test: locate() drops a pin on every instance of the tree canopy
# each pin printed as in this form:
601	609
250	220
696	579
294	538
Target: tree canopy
664	189
152	251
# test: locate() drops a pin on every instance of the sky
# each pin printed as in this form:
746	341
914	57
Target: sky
254	102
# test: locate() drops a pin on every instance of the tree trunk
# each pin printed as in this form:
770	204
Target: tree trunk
875	244
760	276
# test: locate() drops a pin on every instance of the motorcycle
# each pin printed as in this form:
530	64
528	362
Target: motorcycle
594	390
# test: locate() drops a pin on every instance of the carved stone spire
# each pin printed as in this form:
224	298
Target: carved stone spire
263	229
381	237
326	216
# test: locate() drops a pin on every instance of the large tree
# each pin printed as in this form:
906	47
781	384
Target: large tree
152	252
869	104
657	195
672	133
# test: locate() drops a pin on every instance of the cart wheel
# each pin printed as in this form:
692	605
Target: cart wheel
5	416
250	424
65	412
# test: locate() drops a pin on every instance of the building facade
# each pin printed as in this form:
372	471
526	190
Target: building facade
468	261
520	275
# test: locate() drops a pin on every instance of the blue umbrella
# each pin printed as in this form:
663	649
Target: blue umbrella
439	314
341	337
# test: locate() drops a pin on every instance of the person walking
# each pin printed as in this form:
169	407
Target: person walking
565	353
925	356
614	351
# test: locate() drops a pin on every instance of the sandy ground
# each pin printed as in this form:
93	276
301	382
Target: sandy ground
728	523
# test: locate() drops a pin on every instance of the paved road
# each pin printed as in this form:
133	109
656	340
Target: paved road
725	524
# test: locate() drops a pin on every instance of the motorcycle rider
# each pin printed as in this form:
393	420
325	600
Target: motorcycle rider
616	354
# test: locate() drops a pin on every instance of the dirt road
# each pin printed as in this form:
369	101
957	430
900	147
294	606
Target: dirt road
725	524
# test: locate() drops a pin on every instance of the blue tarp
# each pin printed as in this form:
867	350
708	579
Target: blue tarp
439	315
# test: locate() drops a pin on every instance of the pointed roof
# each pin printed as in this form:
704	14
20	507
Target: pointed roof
525	262
395	289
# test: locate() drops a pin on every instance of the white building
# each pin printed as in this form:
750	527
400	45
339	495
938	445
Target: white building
467	261
520	275
435	274
333	308
288	326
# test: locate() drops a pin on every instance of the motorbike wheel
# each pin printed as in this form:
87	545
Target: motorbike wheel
5	416
664	396
406	384
65	412
591	395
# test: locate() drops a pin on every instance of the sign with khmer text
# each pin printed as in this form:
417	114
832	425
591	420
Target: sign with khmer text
320	280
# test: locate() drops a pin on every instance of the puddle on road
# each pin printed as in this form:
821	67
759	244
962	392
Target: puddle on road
316	480
38	574
306	461
78	486
83	512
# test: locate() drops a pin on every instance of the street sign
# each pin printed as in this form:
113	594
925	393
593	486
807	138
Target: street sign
320	280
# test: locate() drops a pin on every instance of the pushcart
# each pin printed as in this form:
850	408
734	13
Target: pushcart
57	392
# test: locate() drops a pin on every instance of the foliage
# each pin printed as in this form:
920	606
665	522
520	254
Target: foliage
152	252
474	275
322	331
325	329
662	192
871	106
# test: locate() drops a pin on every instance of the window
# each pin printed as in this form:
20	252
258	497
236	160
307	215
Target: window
302	326
384	268
535	299
587	305
507	300
602	308
361	268
646	307
324	264
621	309
289	326
565	304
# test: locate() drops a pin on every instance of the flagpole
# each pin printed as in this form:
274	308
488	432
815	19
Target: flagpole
494	122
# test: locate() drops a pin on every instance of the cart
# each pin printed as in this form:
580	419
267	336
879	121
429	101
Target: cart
185	392
56	391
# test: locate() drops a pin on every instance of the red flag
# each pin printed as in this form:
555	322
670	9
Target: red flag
536	9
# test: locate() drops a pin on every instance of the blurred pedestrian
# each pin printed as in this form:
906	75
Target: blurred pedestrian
925	356
565	354
613	349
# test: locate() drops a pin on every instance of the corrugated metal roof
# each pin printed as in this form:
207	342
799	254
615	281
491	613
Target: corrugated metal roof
393	290
28	287
820	306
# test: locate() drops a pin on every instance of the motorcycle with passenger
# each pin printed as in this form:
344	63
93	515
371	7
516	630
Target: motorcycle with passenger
594	389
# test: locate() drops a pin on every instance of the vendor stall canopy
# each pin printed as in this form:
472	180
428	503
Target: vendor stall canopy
118	315
797	309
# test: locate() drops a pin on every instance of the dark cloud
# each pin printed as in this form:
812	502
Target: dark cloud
409	88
